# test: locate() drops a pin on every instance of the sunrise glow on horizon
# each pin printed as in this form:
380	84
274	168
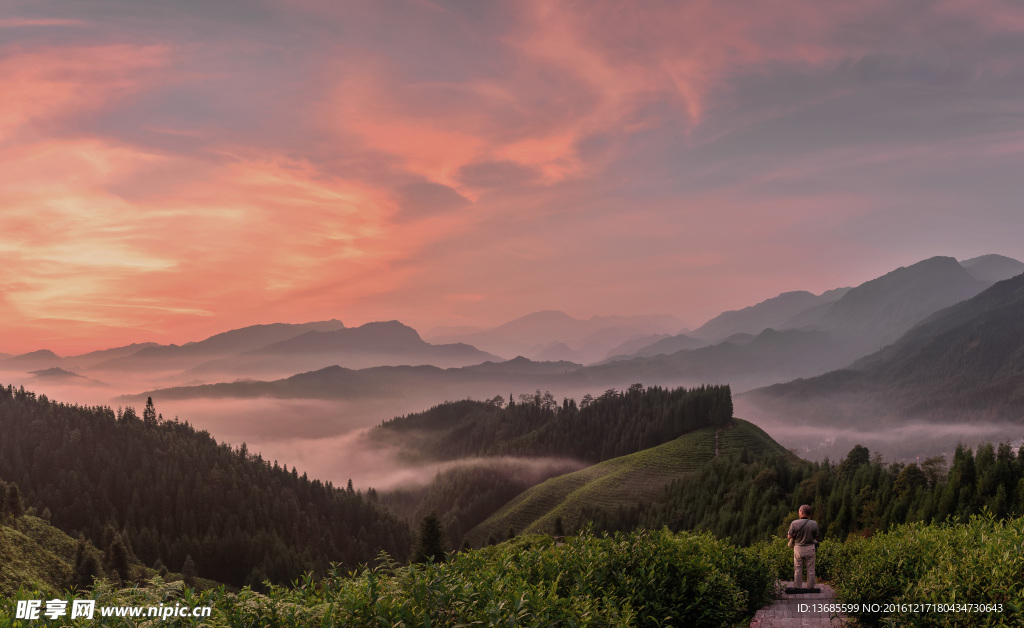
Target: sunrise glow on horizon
173	170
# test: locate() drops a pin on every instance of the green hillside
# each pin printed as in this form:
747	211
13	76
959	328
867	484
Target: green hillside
621	481
34	554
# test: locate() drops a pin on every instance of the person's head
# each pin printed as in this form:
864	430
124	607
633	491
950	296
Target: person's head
805	511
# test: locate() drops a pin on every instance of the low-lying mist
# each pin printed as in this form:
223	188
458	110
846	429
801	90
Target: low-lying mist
904	441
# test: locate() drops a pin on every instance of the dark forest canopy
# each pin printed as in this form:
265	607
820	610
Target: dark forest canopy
176	492
611	425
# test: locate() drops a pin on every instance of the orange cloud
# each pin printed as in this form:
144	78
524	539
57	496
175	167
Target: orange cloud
514	157
42	85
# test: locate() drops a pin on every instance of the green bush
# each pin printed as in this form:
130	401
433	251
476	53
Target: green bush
981	562
634	579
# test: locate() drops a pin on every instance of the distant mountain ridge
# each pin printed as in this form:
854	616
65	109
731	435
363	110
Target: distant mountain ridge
170	357
879	311
769	314
993	267
261	351
892	301
835	329
372	344
663	346
965	363
590	338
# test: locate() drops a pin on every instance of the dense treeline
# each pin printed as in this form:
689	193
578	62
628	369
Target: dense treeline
172	492
612	425
746	499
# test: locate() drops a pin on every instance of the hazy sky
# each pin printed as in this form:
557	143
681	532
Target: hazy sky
169	170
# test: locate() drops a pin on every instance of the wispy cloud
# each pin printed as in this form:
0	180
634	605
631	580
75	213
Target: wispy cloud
172	170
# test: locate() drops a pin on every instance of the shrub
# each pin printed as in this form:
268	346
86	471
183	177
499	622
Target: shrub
981	562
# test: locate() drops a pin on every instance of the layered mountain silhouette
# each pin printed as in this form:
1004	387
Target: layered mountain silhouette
631	346
259	351
335	382
993	267
32	361
772	313
534	334
835	329
860	321
180	357
662	346
879	311
372	344
56	372
59	375
964	363
743	361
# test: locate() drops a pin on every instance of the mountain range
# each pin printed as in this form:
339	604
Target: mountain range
964	363
857	322
791	336
538	335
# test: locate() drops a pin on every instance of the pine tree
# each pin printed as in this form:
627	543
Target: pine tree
430	541
149	414
13	506
188	572
559	529
87	567
117	558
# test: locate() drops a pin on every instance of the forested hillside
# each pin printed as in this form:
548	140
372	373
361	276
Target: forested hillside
175	492
745	497
612	425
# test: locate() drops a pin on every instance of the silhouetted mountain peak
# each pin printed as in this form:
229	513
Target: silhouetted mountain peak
881	310
42	354
54	372
234	339
993	267
391	329
773	312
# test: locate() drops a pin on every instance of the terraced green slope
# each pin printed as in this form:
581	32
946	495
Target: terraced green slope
620	481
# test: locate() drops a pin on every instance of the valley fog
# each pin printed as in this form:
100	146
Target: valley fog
903	442
322	438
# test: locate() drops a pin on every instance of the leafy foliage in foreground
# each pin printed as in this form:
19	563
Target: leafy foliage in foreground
981	562
637	579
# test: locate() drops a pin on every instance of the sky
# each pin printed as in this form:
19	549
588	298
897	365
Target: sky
170	170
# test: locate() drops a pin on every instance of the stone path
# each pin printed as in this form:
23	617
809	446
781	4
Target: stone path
787	612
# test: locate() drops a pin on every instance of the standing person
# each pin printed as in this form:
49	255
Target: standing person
803	538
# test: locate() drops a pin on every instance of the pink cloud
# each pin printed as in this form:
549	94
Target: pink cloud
444	166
